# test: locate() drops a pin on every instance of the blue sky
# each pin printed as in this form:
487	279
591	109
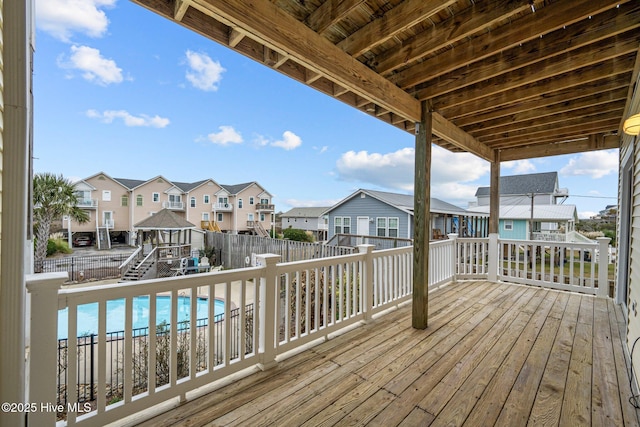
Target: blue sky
121	90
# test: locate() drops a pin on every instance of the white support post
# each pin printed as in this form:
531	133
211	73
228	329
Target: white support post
269	299
454	256
367	281
41	353
494	257
603	266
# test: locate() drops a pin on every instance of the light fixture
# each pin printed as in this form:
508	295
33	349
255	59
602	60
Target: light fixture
632	125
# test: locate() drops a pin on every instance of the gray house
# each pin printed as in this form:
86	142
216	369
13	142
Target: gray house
517	190
311	219
384	214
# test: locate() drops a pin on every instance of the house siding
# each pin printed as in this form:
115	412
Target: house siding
519	231
373	209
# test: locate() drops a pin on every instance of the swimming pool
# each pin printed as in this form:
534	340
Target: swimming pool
88	313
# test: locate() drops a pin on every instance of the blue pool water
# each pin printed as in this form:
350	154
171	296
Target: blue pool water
88	314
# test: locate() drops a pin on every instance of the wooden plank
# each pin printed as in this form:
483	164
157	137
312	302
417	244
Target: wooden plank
545	20
422	219
604	410
403	16
554	354
558	148
524	329
446	130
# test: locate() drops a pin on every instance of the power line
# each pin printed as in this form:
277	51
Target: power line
594	197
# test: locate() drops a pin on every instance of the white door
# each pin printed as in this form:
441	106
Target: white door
363	226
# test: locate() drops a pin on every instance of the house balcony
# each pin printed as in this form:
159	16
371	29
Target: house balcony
176	206
265	207
339	330
221	207
87	203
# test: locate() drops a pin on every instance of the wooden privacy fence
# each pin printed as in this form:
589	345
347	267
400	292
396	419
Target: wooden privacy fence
238	250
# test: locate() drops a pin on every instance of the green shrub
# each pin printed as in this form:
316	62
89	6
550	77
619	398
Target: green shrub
297	235
55	246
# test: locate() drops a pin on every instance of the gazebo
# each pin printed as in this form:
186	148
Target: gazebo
163	237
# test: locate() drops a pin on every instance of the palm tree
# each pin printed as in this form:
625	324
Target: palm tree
53	197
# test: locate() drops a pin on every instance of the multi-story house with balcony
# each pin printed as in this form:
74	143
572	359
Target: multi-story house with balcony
115	205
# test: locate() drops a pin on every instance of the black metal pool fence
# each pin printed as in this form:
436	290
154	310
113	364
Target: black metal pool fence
87	355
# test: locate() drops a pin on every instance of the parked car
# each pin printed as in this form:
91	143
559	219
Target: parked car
82	241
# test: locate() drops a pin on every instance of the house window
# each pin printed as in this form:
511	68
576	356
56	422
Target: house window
205	216
342	225
250	200
239	203
124	201
106	195
264	201
393	227
381	227
223	201
262	217
139	200
508	224
205	199
156	197
192	202
220	217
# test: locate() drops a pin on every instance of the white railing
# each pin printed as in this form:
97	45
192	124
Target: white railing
295	305
558	265
87	203
220	206
173	205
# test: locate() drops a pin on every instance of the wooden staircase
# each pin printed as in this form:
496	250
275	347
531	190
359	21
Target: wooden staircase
138	270
259	229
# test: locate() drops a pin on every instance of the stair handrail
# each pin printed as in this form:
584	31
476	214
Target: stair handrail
153	251
131	257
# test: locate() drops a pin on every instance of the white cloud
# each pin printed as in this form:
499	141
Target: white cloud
204	73
289	141
62	18
92	65
322	149
128	119
395	171
594	164
227	135
519	166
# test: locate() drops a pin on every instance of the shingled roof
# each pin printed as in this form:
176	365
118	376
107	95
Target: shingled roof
164	220
537	183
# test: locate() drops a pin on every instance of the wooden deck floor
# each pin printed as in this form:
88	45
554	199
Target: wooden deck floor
494	354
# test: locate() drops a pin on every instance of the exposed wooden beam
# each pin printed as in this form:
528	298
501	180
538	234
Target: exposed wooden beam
540	89
422	220
331	12
235	36
274	27
566	64
180	9
559	115
571	42
473	20
405	15
446	130
593	143
551	17
595	92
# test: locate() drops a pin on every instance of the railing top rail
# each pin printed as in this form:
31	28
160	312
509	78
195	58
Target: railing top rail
401	249
319	262
90	294
131	257
153	251
567	245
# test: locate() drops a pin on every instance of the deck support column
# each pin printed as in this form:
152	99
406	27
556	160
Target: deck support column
422	218
494	219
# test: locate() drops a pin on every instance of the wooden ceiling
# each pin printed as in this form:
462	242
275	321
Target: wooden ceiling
527	78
